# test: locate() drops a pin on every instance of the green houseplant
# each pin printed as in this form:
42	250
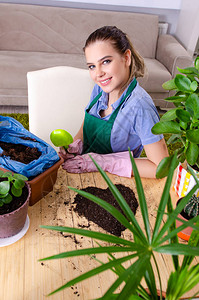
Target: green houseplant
142	248
14	200
182	122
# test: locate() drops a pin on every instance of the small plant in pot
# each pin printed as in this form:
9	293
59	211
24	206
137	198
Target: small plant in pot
14	199
140	251
190	210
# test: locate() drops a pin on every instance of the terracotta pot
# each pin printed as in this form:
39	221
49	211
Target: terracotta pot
42	184
13	222
186	232
158	293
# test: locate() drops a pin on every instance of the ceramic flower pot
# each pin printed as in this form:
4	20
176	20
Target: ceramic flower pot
13	222
186	232
42	184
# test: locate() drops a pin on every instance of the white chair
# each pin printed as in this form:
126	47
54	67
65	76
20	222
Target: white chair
57	98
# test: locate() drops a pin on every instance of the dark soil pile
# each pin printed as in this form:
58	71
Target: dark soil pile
15	203
21	153
100	216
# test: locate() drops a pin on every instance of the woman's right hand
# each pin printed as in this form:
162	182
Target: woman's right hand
74	148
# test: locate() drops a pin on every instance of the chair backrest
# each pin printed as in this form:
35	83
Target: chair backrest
56	100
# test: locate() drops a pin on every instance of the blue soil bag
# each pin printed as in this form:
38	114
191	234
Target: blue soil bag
12	131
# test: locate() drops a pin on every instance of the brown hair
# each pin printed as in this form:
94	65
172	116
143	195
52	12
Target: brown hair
121	43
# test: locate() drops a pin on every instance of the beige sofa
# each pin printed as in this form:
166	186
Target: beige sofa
35	37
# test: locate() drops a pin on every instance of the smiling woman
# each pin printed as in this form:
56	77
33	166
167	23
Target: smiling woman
120	113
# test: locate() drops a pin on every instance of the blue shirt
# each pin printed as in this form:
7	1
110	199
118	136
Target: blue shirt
132	126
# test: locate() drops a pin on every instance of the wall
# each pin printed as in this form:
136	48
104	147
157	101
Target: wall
168	11
181	15
187	30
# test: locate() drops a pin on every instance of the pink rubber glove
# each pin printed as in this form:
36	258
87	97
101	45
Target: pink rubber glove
115	163
74	148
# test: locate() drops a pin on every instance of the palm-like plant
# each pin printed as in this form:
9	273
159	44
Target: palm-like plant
163	239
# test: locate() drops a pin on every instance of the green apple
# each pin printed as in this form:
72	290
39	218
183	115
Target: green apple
61	138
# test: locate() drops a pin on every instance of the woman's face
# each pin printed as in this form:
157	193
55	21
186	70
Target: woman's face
108	68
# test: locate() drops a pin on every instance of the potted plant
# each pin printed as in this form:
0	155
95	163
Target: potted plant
190	210
14	199
36	160
163	239
182	123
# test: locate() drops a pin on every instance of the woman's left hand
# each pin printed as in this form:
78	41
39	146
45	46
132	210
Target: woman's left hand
115	163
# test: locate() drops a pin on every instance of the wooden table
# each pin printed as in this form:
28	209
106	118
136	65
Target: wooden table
23	277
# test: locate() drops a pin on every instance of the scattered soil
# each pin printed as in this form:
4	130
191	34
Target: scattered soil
99	215
15	203
21	153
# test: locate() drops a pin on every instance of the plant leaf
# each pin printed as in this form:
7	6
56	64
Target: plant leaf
189	70
121	201
196	63
134	274
169	85
194	86
192	105
96	250
169	115
166	127
183	115
18	183
163	201
141	197
193	136
182	83
7	199
20	176
16	192
192	153
193	241
93	272
178	249
93	234
164	167
4	187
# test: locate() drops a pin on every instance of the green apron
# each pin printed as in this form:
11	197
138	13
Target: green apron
97	132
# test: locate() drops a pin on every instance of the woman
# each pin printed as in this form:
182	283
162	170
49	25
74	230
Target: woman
120	113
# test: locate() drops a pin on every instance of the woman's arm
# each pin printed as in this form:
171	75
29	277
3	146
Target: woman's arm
155	153
79	134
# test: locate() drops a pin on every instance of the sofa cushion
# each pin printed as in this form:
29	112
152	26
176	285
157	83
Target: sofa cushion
65	30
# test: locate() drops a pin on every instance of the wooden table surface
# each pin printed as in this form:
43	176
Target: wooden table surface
23	277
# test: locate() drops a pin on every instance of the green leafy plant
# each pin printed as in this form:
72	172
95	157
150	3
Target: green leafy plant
10	185
143	246
182	122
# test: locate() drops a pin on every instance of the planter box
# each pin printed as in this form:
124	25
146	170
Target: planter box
42	184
